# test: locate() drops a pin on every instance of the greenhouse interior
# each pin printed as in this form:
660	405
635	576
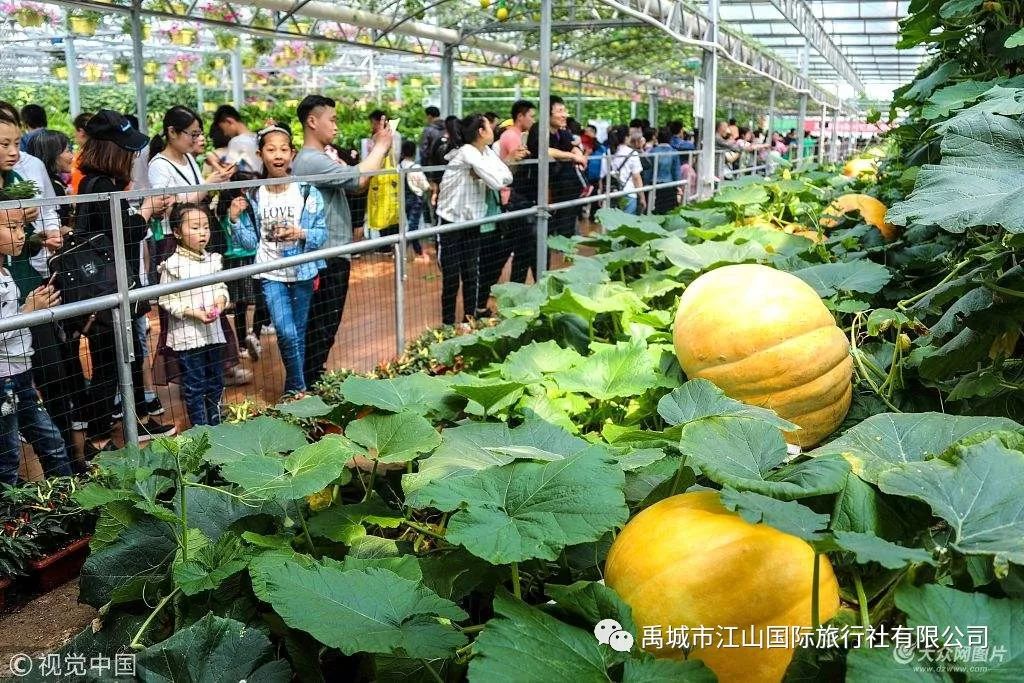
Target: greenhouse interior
319	365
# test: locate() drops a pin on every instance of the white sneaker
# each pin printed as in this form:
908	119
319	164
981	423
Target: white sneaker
253	346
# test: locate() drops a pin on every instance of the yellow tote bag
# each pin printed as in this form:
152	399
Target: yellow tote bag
382	199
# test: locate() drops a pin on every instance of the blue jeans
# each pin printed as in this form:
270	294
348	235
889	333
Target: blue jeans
30	418
413	213
288	303
202	383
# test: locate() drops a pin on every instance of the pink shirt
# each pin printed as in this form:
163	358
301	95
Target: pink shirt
509	142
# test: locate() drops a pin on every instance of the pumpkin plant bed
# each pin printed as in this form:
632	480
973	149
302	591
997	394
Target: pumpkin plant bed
507	508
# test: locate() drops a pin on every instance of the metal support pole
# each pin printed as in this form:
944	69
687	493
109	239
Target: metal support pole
447	81
543	137
821	134
706	167
400	248
652	108
579	103
632	110
71	58
771	111
200	96
835	134
137	61
123	328
805	67
237	78
654	181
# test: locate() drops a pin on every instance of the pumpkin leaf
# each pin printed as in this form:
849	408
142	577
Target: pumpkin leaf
261	436
305	408
307	470
699	398
534	361
746	454
790	517
343	523
416	393
487	397
829	279
213	649
527	510
394	438
992	523
211	564
868	548
697	258
342	608
884	441
625	369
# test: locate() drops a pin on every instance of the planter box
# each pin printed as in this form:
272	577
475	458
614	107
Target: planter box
62	566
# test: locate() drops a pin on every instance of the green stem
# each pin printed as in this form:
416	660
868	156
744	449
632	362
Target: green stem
183	517
1004	291
907	303
862	601
305	529
373	475
419	528
517	589
135	644
433	674
867	378
678	478
815	615
472	629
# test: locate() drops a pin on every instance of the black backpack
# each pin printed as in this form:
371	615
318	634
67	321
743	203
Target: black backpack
84	267
438	151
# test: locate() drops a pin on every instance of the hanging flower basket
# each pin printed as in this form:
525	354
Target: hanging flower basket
180	79
249	60
210	81
217	63
92	72
175	6
83	26
210	107
415	83
149	79
184	36
122	78
225	40
303	26
60	71
150	68
29	17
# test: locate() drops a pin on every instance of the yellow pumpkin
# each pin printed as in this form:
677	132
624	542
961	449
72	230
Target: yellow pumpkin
854	168
871	210
764	337
688	561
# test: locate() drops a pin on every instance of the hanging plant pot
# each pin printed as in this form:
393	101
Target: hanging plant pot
184	37
218	63
181	68
149	79
180	80
249	60
147	32
303	26
92	72
210	107
415	83
57	569
29	18
176	6
225	41
60	72
150	68
83	26
210	81
122	78
317	60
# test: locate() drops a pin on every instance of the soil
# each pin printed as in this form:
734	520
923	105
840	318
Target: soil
43	624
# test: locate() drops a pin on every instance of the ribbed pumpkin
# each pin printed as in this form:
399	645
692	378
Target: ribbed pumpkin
869	208
765	338
687	561
854	168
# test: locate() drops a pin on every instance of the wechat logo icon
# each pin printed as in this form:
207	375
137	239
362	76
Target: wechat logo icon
609	632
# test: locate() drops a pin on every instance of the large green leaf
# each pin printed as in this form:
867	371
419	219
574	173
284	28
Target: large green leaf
873	664
139	555
475	446
697	258
393	438
741	195
978	495
958	616
307	470
946	100
416	393
260	436
342	523
487	396
447	350
828	279
651	670
214	511
211	564
885	441
788	516
528	510
306	408
532	362
522	644
747	454
978	182
923	87
213	650
869	548
589	302
358	610
700	398
619	371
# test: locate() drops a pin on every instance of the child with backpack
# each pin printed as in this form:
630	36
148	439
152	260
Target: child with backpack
286	220
416	184
194	331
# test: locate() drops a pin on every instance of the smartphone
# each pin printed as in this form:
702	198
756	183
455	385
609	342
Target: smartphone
393	124
524	139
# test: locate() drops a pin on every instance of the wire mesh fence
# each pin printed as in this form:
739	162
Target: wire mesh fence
193	330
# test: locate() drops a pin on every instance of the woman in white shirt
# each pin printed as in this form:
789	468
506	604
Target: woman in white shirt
471	170
626	166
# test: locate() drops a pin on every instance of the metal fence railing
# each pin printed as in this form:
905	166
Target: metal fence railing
92	353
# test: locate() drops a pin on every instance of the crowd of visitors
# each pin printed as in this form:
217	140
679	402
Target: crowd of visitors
474	169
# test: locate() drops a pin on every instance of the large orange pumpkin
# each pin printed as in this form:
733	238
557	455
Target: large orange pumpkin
764	337
688	561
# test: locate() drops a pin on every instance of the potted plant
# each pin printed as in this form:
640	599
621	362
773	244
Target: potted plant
322	53
225	40
150	68
29	14
147	30
122	70
173	6
46	515
15	553
92	72
249	59
84	22
60	68
262	46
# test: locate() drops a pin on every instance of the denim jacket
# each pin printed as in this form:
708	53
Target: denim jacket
668	164
246	232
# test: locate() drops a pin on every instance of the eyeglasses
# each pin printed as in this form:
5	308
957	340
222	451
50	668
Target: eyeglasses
194	134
